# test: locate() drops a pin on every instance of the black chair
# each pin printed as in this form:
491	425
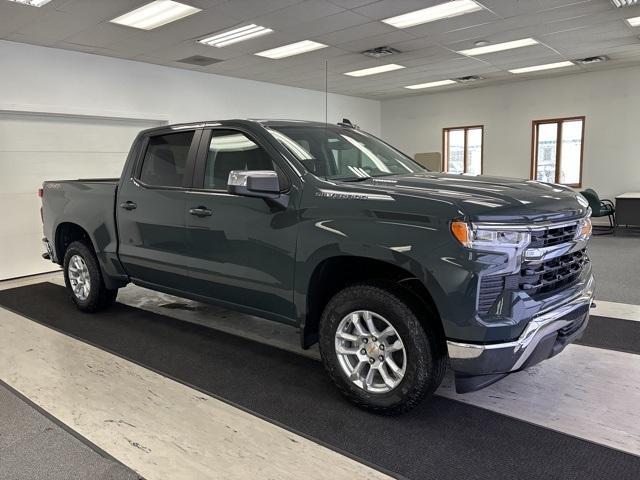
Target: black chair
601	208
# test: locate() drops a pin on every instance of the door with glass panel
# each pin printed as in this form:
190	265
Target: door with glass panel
557	151
462	149
240	249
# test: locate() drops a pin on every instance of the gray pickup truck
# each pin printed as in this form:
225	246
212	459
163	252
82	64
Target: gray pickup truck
394	270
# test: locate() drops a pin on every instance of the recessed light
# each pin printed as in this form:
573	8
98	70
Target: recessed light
537	68
431	14
499	47
374	70
634	21
439	83
292	49
236	35
32	3
155	14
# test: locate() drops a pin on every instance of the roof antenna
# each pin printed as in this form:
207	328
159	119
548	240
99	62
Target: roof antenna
326	92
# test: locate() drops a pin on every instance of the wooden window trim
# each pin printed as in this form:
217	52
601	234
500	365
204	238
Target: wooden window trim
534	150
445	145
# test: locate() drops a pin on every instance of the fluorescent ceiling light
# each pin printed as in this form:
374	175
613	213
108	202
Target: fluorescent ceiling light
292	49
431	14
236	35
634	22
32	3
372	71
537	68
499	47
439	83
155	14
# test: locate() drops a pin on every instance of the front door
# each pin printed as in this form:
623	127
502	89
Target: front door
241	249
151	210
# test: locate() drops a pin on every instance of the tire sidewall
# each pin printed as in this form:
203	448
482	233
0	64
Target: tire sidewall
418	374
95	277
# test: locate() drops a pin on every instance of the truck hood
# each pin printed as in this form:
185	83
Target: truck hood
484	198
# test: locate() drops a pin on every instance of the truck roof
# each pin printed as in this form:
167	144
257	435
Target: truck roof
243	121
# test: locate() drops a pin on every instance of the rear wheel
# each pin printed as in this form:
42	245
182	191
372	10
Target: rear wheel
83	279
376	350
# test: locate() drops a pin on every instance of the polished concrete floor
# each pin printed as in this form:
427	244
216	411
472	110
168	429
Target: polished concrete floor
159	428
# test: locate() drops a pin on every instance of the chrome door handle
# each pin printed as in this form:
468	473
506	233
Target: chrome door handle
200	212
128	205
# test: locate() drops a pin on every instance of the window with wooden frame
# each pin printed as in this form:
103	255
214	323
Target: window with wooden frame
557	148
462	149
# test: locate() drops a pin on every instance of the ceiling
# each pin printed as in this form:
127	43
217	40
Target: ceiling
567	30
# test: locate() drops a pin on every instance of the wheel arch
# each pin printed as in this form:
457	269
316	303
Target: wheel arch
65	234
337	272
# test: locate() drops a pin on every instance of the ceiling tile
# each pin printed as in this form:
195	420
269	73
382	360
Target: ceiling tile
298	13
568	29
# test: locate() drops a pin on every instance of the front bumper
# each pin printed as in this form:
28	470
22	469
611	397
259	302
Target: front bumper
546	335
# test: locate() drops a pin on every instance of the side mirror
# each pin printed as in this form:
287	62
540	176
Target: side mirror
254	183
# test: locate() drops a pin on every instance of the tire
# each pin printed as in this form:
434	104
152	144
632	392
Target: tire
83	279
418	368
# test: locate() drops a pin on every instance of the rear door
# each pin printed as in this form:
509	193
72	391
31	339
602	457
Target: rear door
241	249
151	209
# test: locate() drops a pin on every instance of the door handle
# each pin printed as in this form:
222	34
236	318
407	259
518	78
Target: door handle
200	212
128	205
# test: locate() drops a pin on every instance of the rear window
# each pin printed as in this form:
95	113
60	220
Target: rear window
165	159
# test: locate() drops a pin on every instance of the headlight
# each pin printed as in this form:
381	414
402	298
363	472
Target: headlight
583	232
487	238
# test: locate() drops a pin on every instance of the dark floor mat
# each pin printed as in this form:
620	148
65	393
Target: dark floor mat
440	439
612	334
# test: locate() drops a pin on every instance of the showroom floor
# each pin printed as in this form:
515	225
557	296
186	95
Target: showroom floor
177	389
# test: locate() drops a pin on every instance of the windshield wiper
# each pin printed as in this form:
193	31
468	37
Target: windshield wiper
354	179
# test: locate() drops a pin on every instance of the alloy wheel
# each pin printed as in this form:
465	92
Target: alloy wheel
370	351
79	277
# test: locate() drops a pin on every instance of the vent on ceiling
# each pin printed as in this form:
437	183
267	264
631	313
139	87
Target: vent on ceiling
624	3
469	79
380	52
199	60
590	60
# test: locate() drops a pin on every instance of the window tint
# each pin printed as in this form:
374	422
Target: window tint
165	159
233	150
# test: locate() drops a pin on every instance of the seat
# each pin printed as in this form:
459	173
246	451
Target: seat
601	208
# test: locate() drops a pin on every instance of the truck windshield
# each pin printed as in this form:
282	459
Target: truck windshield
336	153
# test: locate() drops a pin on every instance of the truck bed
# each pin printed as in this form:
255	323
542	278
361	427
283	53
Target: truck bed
89	203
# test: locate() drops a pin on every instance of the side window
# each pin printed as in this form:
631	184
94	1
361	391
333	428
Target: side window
233	150
165	159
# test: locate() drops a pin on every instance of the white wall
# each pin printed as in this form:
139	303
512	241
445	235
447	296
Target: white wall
44	79
610	100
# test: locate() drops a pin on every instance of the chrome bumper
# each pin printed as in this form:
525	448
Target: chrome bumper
543	332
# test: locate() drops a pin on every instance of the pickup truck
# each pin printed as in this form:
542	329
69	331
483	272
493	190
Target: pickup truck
396	271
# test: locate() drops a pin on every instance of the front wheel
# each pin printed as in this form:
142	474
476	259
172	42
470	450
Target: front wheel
83	279
376	350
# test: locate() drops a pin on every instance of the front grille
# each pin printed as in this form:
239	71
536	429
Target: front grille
552	275
552	236
534	278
